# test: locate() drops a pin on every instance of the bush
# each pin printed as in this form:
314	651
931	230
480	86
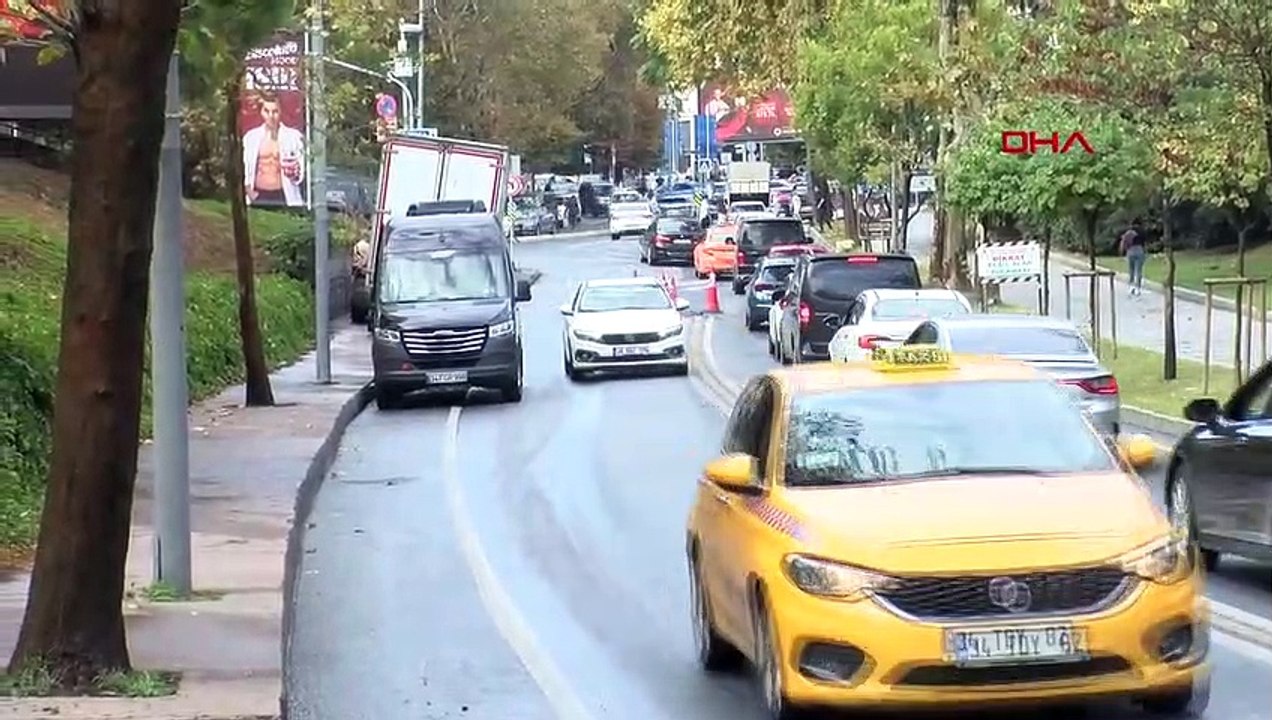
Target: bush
291	250
31	266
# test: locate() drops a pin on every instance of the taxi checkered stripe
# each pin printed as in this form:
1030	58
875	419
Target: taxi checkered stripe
775	517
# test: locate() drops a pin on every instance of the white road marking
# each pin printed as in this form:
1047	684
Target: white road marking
1242	631
511	624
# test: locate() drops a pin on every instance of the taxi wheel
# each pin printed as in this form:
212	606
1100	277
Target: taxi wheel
768	666
1183	514
715	654
1189	703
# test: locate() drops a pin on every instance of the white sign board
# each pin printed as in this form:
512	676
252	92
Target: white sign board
1011	261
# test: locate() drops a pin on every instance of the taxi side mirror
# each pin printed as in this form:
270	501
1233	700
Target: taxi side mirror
1138	451
736	472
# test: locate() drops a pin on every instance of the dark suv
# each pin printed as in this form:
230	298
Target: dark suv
756	237
822	290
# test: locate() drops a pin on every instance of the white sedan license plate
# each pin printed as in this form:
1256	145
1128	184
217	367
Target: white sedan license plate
683	241
457	377
631	350
1015	645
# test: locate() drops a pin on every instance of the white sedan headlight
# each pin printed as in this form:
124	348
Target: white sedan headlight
671	332
1165	561
830	579
504	328
586	335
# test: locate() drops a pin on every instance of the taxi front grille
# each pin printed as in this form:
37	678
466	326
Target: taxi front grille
629	339
953	676
1067	592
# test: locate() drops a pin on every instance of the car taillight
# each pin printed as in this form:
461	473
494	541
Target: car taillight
661	240
764	286
805	314
863	259
868	342
1103	385
741	258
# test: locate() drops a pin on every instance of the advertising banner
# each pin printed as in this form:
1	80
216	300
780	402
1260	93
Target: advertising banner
741	119
272	124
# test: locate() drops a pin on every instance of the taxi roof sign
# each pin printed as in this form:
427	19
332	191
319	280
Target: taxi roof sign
911	357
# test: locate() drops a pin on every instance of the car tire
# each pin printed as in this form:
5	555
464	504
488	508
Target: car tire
1183	513
752	322
767	666
699	275
738	287
570	371
386	399
357	315
772	349
715	654
513	388
614	236
681	370
782	357
1190	702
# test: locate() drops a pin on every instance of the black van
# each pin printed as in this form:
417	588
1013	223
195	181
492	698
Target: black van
445	297
821	292
759	235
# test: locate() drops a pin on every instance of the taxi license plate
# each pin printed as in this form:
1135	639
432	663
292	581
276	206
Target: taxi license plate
631	350
457	377
1015	645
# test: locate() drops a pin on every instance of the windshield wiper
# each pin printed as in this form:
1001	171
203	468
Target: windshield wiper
977	470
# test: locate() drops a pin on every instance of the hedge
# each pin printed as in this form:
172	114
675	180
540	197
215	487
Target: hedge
31	267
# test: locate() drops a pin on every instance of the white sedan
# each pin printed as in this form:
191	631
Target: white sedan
883	318
629	214
624	324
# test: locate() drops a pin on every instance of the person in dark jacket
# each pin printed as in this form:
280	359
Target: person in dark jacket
1133	246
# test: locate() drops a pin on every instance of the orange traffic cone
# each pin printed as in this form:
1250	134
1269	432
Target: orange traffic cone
675	289
713	296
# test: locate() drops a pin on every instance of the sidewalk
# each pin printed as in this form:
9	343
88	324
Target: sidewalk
245	465
1140	319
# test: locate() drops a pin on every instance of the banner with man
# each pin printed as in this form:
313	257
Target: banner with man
272	124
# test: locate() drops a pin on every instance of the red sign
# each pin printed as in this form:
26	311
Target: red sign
1027	142
742	119
272	124
19	19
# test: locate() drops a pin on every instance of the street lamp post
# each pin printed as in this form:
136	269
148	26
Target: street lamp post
417	29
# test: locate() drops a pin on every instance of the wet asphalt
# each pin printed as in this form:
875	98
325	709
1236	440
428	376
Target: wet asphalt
467	559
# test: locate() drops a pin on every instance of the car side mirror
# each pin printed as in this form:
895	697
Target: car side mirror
682	304
567	310
1203	410
736	472
1138	451
523	290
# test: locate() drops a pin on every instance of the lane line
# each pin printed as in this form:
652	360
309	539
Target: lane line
499	604
1242	627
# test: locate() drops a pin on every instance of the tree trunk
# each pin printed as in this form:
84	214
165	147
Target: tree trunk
1090	221
258	392
1170	350
74	619
1046	270
907	174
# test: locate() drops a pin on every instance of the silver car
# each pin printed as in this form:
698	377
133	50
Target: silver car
1052	345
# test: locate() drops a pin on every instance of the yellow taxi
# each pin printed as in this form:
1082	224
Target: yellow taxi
943	532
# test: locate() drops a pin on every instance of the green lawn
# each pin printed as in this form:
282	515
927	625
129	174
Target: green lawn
1194	266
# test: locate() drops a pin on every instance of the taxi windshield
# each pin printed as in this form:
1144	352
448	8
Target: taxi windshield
902	432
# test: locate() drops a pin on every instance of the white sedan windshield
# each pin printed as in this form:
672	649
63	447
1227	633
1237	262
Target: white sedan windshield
623	297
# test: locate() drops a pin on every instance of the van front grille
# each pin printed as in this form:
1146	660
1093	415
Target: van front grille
449	344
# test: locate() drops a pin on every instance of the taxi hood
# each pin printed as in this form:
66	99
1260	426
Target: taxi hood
979	523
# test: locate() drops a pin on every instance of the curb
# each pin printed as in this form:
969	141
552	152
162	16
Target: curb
1241	624
1156	422
560	236
306	493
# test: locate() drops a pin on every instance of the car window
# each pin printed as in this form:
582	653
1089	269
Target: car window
917	308
417	276
605	298
673	226
1255	401
775	274
760	235
926	334
846	278
906	431
750	425
1017	340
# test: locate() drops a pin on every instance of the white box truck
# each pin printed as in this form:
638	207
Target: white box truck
749	180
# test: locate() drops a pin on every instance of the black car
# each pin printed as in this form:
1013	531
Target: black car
1219	480
444	311
770	277
671	239
821	292
759	235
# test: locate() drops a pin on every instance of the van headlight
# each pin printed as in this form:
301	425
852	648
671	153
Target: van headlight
502	329
388	335
826	578
1165	561
671	332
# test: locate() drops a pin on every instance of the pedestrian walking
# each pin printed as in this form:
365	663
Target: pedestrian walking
1132	245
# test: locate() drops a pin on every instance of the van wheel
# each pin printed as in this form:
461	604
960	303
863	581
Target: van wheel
512	389
387	399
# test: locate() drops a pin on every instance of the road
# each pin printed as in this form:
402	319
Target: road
468	559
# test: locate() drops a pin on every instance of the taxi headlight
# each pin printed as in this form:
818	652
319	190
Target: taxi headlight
584	335
1164	561
671	332
504	328
834	580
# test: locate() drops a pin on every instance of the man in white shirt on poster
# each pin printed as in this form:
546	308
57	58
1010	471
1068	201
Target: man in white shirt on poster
273	158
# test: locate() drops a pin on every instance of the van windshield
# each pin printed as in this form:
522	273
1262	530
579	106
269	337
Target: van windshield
440	275
764	235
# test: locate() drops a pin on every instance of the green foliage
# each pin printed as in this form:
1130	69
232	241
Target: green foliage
216	36
31	268
1213	151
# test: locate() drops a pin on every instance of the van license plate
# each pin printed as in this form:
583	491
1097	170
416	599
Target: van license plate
1015	645
457	377
631	350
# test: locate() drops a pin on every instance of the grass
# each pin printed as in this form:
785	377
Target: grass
38	680
162	592
1194	266
1139	375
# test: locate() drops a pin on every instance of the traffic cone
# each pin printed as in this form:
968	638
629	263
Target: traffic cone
674	289
713	296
